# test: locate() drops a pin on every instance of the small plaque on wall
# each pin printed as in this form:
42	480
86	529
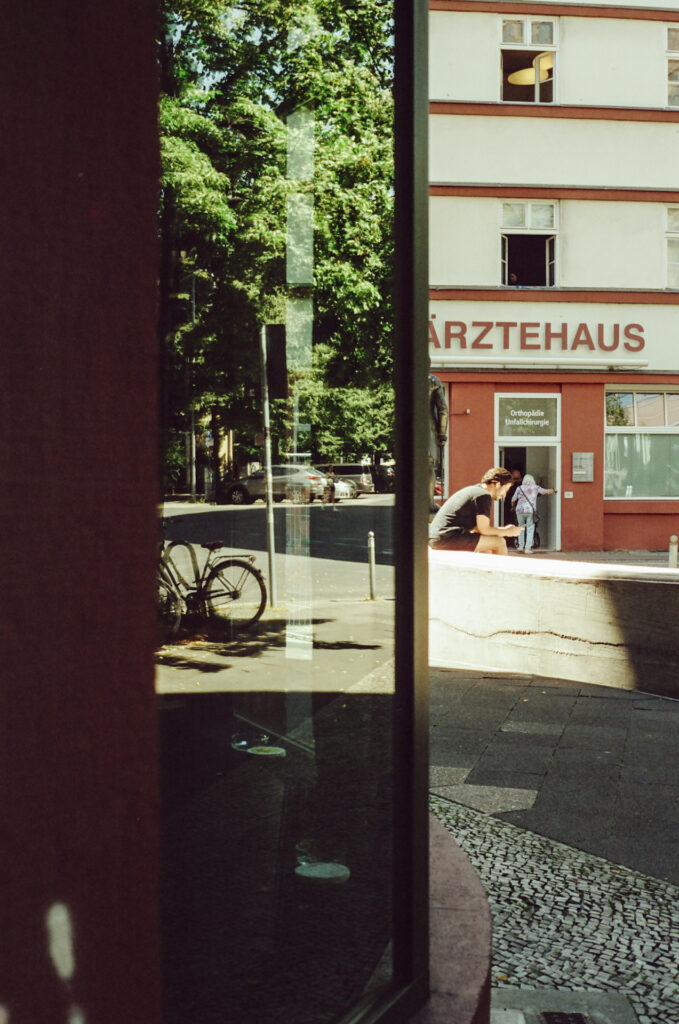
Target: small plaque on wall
583	468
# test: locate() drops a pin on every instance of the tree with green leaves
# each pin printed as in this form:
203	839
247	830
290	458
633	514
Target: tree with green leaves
231	74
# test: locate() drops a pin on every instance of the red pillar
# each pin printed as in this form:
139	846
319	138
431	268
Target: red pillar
582	424
78	854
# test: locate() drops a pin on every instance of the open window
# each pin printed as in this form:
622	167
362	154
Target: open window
528	58
673	246
673	66
528	245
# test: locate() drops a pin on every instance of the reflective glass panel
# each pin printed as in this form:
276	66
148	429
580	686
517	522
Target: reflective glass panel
542	215
673	39
650	410
673	218
275	666
619	409
512	31
673	262
513	215
542	32
641	466
672	409
673	70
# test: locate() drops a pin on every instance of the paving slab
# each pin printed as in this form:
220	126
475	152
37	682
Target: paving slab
534	1006
600	764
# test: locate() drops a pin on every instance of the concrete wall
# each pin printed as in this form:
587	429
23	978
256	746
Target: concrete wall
552	151
608	625
78	364
611	245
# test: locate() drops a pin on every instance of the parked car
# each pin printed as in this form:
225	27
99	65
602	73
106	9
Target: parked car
298	483
354	472
345	489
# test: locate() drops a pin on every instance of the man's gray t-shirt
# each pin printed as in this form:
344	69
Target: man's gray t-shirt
458	514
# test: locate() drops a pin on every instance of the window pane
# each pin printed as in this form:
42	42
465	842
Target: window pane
673	275
673	218
673	250
619	409
650	410
673	70
641	466
542	32
542	215
512	31
672	405
277	721
513	215
673	39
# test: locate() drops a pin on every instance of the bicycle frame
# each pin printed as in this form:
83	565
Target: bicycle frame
191	592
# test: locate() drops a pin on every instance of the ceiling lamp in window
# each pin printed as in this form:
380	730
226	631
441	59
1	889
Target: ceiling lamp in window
526	76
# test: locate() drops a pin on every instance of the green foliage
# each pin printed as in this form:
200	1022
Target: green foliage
615	414
231	72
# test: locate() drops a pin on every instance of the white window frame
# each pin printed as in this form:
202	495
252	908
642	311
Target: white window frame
671	234
672	54
552	47
633	429
551	243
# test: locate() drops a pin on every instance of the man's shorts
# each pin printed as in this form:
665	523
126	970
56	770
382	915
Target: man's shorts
460	542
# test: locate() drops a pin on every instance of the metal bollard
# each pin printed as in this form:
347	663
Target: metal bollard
673	551
371	564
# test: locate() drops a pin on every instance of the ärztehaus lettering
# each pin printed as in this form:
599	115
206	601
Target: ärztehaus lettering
533	336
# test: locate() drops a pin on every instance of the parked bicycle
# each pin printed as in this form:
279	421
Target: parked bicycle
229	591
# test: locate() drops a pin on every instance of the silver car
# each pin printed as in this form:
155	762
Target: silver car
298	483
357	473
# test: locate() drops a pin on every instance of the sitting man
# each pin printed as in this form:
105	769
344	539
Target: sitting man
463	521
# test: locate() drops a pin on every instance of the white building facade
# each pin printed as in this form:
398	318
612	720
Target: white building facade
554	257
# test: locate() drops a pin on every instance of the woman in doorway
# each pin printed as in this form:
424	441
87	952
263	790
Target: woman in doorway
524	502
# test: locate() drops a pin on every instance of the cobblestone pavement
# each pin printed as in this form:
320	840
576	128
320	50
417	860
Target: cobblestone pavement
569	920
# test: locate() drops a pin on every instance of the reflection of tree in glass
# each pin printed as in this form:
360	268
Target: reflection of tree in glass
230	77
616	414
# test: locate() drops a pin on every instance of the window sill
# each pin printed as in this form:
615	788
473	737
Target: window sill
632	506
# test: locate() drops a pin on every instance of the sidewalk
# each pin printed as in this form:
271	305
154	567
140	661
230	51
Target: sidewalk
566	799
659	559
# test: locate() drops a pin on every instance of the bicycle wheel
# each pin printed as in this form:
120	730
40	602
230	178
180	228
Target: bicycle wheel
235	594
169	611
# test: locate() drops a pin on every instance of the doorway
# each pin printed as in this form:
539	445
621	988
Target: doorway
542	462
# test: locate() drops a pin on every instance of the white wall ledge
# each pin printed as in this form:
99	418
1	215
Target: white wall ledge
616	625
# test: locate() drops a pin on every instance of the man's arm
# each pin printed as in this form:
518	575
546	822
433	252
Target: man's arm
486	530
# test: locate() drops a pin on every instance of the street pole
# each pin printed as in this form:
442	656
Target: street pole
192	425
270	533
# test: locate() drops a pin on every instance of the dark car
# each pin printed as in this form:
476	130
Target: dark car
384	477
298	483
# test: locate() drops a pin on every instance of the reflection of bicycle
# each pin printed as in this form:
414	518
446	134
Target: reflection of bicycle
230	591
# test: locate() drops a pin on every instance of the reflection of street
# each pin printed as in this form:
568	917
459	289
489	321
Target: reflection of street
352	637
243	833
339	533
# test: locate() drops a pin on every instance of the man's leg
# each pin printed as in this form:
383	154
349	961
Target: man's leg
492	545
